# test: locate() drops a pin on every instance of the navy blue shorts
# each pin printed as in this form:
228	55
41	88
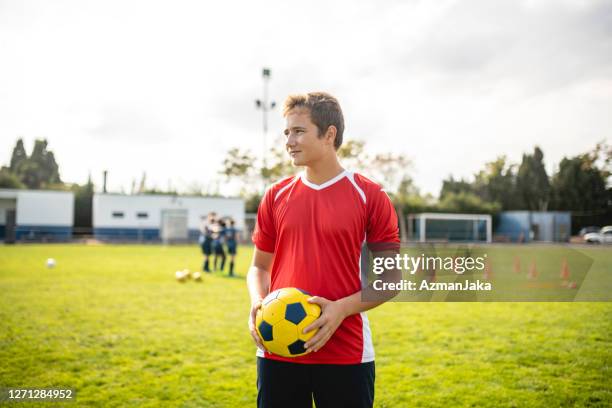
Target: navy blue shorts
206	247
217	247
281	384
231	247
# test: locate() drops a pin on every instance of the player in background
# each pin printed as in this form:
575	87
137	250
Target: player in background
230	241
309	234
218	237
205	239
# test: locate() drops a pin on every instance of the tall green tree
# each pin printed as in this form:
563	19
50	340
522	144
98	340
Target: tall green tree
497	183
452	186
18	157
532	183
46	160
580	184
465	202
39	170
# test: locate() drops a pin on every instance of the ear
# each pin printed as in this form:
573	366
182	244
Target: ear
330	134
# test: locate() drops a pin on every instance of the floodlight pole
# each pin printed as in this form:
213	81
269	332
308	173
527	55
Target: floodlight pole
265	107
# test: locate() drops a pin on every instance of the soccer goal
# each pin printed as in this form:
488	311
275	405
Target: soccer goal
446	227
174	226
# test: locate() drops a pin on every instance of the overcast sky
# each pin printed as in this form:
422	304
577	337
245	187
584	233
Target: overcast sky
167	87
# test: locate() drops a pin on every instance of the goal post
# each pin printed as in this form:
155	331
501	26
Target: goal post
449	227
174	226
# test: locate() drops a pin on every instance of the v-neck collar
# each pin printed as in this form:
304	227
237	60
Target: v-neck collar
324	185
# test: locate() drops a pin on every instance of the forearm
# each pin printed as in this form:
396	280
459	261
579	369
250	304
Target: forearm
353	304
334	312
258	283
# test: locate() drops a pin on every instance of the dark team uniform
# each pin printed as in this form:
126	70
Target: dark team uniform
217	245
230	240
206	240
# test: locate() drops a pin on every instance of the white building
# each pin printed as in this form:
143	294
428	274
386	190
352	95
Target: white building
158	217
36	215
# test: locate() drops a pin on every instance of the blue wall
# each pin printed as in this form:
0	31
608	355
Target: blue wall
552	226
41	233
136	234
514	223
127	234
563	226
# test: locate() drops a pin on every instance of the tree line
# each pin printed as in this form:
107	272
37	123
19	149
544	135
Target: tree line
39	170
579	184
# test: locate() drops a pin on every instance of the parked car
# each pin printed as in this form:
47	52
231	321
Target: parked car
604	236
587	230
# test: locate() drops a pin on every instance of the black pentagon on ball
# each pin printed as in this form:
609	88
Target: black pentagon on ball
265	330
297	347
295	313
303	291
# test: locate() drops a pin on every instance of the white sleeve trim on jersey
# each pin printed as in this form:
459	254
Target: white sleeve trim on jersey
351	177
286	187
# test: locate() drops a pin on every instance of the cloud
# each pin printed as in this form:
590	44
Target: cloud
450	84
541	46
128	124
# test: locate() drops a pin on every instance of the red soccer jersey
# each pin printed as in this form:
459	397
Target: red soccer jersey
316	233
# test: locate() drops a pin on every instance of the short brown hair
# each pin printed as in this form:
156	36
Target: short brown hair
324	111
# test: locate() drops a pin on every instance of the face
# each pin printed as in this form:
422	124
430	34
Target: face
302	142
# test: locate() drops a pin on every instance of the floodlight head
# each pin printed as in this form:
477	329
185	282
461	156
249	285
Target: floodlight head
272	104
258	103
266	72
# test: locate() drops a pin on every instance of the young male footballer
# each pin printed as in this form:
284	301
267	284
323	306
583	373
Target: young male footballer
309	234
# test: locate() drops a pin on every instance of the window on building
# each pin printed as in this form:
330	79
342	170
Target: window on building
117	214
142	215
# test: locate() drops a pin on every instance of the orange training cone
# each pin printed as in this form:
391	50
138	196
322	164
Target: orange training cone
488	273
533	271
565	272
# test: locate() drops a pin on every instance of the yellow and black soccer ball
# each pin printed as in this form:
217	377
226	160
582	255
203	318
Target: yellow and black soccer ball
281	319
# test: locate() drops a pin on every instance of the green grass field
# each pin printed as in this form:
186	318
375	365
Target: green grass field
113	323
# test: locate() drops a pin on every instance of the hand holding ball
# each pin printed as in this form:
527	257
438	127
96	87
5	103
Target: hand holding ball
282	318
